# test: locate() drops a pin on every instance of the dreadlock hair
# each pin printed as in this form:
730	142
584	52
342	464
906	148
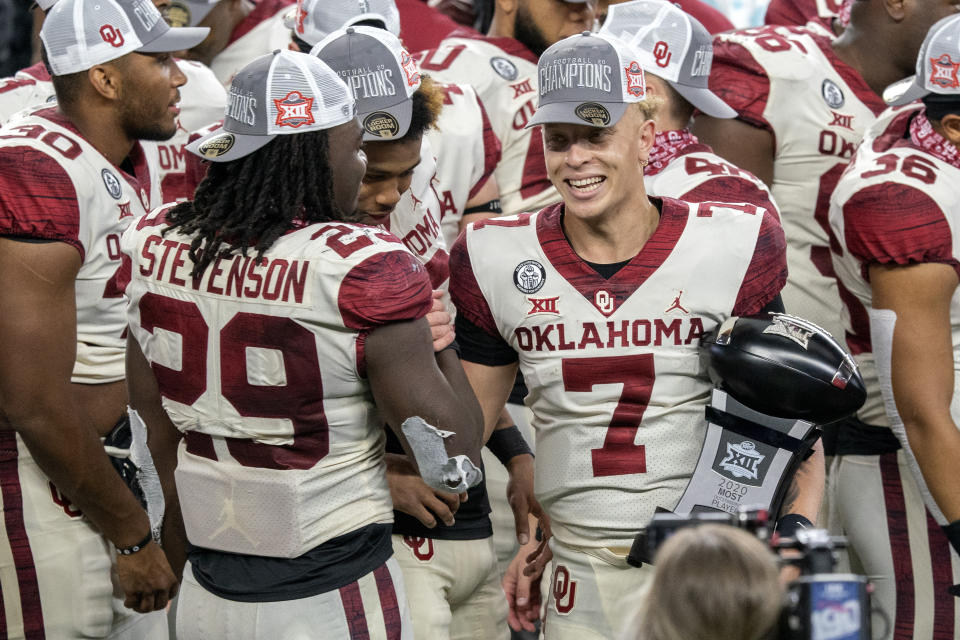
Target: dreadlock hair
251	201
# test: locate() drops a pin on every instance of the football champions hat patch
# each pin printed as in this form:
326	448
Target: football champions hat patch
380	73
80	34
671	44
282	93
938	66
590	79
314	20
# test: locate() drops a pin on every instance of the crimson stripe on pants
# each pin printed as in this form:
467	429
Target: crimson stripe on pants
942	580
353	608
19	542
388	602
899	545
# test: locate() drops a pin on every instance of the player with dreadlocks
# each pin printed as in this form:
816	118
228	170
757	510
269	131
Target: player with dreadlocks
255	373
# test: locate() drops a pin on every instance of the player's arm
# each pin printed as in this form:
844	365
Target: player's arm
923	369
743	144
484	204
407	379
38	332
222	20
163	438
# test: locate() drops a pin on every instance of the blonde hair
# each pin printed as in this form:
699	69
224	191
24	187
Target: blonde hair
649	106
711	582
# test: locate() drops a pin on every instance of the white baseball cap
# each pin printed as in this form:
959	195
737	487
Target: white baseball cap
80	34
381	74
314	20
671	44
589	78
281	93
938	66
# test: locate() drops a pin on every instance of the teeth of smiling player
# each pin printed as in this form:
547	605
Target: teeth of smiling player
587	184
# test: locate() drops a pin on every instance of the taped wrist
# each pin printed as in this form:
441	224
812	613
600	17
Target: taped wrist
788	524
508	443
439	471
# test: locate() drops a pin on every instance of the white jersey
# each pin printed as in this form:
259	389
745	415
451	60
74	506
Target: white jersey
617	388
682	168
55	185
262	366
788	81
27	88
260	33
202	102
504	74
467	152
896	204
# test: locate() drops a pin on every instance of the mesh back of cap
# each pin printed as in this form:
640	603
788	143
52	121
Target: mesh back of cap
79	34
305	95
658	31
316	19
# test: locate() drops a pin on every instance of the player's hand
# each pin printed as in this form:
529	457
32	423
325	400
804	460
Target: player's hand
522	589
147	580
412	496
521	499
441	324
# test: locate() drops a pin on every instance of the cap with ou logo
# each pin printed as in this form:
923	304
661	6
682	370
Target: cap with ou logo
938	66
80	34
282	93
588	78
314	20
381	74
671	44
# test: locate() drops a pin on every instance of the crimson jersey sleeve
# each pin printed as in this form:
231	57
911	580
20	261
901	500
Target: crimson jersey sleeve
767	272
465	290
384	288
37	198
741	82
893	223
795	13
491	151
731	189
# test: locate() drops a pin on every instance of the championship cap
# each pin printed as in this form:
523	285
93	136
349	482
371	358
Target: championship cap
314	20
589	78
671	44
938	66
281	93
187	13
381	74
79	34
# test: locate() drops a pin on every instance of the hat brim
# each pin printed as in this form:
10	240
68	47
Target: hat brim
394	121
706	101
904	91
223	146
176	39
574	113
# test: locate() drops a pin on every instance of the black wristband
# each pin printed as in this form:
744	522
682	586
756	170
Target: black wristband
493	206
129	551
788	524
507	443
953	534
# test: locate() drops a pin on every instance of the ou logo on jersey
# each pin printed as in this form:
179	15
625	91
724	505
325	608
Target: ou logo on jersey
564	590
604	301
422	548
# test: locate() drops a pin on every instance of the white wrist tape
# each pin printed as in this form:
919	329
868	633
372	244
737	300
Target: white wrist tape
147	472
438	470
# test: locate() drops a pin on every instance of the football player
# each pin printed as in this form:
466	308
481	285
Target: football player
444	548
314	325
677	48
585	306
72	177
893	217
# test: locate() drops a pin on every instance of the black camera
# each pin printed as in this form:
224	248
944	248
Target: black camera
820	604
